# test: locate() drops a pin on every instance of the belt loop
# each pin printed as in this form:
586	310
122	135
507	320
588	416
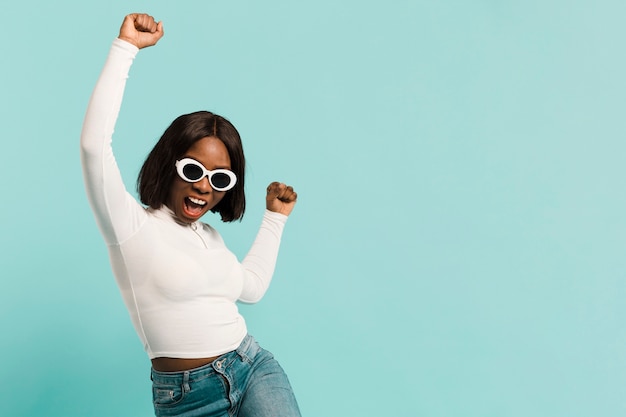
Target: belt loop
186	387
244	348
241	351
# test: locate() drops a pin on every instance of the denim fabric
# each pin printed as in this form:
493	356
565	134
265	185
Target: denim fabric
246	382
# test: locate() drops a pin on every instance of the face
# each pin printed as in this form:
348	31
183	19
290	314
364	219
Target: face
191	200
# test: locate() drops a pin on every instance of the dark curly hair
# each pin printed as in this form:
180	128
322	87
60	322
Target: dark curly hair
158	171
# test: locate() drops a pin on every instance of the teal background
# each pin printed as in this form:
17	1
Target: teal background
457	248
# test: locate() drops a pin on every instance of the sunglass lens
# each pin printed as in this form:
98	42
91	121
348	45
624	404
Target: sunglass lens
220	180
192	172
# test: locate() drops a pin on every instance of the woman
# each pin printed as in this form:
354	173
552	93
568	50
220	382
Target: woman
178	280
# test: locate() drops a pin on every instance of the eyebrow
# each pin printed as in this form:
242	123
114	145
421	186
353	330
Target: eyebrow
217	167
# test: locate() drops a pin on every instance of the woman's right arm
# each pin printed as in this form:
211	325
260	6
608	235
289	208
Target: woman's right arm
116	211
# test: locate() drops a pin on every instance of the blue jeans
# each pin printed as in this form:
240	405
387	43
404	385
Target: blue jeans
246	382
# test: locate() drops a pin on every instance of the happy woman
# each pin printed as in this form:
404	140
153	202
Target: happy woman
178	280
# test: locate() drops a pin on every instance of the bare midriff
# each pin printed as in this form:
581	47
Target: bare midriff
178	364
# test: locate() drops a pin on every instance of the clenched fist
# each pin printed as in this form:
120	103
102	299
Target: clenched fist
141	30
280	198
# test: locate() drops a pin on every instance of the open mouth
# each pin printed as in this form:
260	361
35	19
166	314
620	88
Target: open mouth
194	207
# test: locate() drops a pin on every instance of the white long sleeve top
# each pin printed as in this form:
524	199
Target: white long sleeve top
179	282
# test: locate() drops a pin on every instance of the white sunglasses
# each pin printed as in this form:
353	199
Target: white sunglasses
191	170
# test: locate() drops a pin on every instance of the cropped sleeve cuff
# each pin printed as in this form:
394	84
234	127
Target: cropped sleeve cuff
277	217
124	46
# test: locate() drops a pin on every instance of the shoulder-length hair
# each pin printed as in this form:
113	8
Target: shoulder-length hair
158	171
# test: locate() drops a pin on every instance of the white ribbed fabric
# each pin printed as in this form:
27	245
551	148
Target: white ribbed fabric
178	281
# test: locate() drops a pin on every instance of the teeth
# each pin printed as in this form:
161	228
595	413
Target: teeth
196	201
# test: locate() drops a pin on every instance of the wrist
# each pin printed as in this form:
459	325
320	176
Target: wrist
128	40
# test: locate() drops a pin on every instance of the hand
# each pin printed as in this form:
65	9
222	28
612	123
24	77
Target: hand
141	30
280	198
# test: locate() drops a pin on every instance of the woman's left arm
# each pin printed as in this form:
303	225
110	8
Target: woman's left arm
260	262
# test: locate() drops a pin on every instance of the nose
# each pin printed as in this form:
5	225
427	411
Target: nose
203	186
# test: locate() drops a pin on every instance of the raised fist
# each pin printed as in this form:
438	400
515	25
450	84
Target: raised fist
280	198
141	30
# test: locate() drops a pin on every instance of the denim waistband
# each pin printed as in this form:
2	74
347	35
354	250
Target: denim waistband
247	350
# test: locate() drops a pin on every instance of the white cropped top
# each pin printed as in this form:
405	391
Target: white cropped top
179	281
